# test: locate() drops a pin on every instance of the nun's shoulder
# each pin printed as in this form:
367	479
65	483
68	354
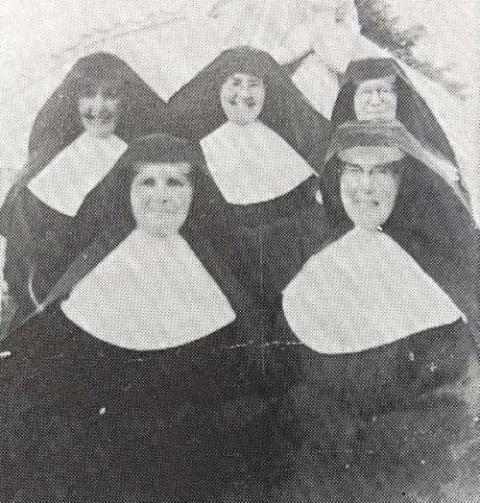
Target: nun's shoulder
31	345
292	241
224	255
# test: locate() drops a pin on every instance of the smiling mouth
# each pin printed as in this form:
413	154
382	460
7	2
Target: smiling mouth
248	102
102	119
160	212
367	202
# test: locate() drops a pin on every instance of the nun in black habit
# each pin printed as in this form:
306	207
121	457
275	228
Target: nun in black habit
135	381
263	143
377	331
378	89
76	139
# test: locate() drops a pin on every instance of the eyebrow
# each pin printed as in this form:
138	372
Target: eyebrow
251	79
385	163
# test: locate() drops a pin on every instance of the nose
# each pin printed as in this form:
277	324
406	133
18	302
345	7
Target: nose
375	98
98	102
244	91
162	195
365	181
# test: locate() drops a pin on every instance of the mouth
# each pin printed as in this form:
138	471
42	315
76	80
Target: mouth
160	212
99	119
248	102
369	203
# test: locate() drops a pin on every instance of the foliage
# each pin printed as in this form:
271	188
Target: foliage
382	27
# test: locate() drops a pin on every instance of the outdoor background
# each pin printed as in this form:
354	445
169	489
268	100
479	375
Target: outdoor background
41	39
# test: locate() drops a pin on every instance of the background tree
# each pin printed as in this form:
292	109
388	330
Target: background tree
379	25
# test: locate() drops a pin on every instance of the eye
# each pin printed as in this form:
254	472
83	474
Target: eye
236	82
352	169
88	92
111	94
387	169
175	182
149	182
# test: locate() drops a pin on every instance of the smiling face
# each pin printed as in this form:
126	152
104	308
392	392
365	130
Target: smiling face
160	196
99	107
376	99
369	183
242	97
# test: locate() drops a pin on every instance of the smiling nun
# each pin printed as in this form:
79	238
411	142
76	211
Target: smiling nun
377	89
124	385
77	137
378	329
257	134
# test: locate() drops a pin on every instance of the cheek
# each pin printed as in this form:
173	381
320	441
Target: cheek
387	196
393	102
113	106
259	95
228	110
347	187
390	188
226	93
138	198
347	192
359	103
184	198
83	105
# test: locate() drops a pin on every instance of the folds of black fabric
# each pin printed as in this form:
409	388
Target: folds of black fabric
41	240
380	424
88	420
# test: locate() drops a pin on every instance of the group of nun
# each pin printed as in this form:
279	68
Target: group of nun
228	297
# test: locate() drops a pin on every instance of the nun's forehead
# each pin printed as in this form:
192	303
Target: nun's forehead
243	74
89	83
387	81
372	69
371	155
182	167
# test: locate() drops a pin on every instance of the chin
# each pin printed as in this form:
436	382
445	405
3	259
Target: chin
100	130
370	222
243	121
160	231
380	116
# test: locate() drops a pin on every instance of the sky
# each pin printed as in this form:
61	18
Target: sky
453	33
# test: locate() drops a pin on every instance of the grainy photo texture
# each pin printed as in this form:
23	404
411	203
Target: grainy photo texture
240	251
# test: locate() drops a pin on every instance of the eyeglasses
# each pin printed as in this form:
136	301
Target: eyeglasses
378	172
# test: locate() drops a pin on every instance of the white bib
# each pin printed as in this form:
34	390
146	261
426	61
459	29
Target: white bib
253	164
149	293
361	292
75	171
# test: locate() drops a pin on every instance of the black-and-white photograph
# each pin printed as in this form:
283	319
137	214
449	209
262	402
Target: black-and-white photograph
240	251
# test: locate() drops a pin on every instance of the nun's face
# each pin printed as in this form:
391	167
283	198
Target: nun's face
369	183
376	99
99	107
242	97
161	195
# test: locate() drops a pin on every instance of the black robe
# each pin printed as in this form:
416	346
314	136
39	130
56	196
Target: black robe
86	420
398	421
41	241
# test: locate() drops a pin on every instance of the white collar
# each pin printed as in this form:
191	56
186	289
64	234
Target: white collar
149	293
253	164
65	182
361	292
